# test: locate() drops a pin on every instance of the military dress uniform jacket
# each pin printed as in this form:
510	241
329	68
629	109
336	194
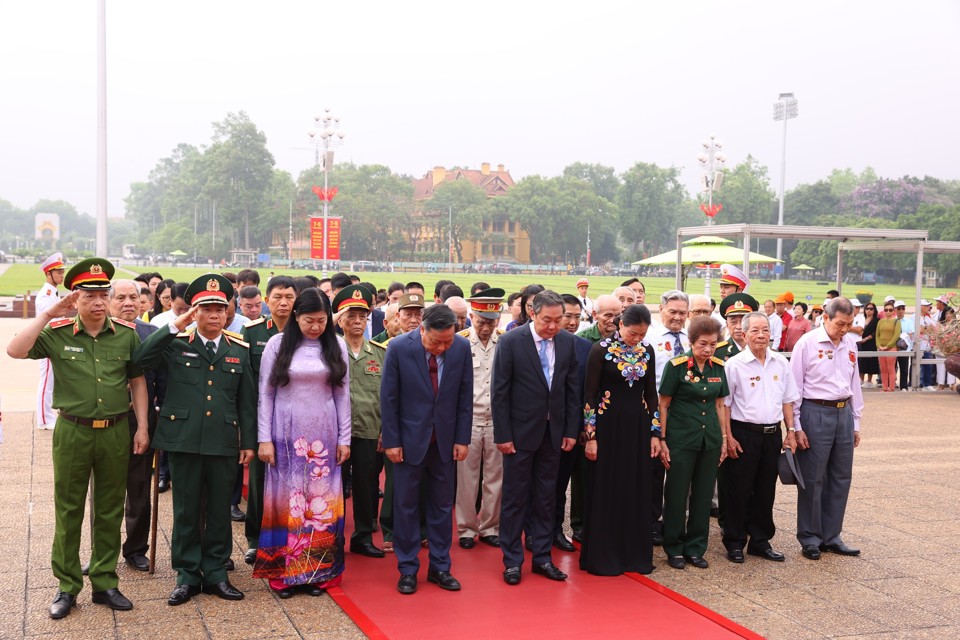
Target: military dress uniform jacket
693	421
257	333
365	371
726	350
210	406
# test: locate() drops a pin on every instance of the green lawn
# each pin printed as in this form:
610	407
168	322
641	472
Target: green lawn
22	277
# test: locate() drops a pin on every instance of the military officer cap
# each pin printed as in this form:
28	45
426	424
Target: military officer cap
55	261
730	274
583	282
411	301
210	288
738	304
92	274
355	296
487	303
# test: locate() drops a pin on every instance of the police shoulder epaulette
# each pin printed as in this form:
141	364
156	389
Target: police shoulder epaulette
465	333
679	360
254	323
717	360
233	339
62	322
123	322
377	344
724	343
233	334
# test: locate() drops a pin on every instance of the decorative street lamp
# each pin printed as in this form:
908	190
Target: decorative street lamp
784	109
712	160
326	135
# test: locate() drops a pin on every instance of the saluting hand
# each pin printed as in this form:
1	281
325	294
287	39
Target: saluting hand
65	305
184	321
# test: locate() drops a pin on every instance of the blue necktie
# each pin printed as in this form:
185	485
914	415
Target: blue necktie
677	347
545	361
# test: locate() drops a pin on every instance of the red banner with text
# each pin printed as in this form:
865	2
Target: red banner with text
332	238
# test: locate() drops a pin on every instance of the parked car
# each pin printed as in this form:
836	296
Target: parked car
365	265
504	267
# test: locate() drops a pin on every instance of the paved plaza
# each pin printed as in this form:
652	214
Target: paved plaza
903	513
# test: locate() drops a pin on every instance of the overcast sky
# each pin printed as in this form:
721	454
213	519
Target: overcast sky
532	85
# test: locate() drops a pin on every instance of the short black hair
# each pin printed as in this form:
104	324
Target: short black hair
636	314
249	275
438	317
394	286
340	280
302	283
450	290
627	283
569	298
478	286
415	285
283	282
178	290
369	286
437	288
354	279
249	292
833	293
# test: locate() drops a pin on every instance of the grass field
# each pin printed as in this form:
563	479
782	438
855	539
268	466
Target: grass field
22	277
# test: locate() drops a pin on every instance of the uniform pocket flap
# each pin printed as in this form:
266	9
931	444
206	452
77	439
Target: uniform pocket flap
175	413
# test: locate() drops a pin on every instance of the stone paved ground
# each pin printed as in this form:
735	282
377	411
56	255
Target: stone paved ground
903	513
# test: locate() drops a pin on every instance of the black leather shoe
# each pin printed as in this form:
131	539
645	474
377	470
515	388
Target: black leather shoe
578	535
182	593
512	575
229	565
61	605
223	590
314	590
113	599
560	542
767	554
467	543
698	561
811	552
138	561
490	541
840	549
163	485
85	569
735	555
367	549
714	512
407	584
677	562
657	538
286	592
443	579
236	514
250	556
549	570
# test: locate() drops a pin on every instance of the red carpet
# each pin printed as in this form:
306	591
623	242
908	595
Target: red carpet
584	606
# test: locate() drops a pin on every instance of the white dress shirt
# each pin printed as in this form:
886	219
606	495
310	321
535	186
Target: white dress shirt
759	391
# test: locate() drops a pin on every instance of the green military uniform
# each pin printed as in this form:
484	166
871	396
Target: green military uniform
694	438
381	338
207	416
727	349
91	434
591	333
256	333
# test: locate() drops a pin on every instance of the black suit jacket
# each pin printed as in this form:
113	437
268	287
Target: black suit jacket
522	401
376	322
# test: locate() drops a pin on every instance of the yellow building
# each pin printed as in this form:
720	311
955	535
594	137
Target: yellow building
501	240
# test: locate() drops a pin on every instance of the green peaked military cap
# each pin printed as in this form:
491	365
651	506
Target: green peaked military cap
210	288
92	274
356	296
738	304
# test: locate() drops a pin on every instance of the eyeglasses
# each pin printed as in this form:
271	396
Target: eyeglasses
888	308
700	312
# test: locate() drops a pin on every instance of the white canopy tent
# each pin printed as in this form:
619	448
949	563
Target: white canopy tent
849	239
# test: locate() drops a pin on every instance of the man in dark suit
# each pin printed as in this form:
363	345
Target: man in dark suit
536	413
426	405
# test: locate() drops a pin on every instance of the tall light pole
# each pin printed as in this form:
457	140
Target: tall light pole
326	135
102	128
711	159
784	109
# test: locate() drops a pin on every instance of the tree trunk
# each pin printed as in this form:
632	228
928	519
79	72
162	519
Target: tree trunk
953	364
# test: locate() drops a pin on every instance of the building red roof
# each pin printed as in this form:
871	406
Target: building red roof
494	182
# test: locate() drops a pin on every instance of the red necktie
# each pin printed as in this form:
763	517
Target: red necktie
434	373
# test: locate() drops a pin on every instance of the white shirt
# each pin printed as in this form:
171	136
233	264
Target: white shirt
46	297
662	342
776	329
163	319
759	391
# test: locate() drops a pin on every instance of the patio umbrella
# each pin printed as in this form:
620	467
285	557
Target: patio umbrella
803	267
705	254
178	253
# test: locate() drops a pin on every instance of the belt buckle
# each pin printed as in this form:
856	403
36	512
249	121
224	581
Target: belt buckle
841	404
769	429
100	424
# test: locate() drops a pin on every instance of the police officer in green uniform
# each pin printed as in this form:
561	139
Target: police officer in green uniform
281	294
92	357
207	419
352	304
692	422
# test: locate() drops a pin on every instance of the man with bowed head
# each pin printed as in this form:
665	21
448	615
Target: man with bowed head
536	414
426	405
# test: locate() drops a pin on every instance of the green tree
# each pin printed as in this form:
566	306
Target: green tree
602	178
460	207
746	195
651	200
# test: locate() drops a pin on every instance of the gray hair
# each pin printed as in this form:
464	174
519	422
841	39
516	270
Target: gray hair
114	283
438	317
838	305
546	298
745	323
674	294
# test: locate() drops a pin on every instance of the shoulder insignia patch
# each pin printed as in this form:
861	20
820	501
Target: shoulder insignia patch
679	360
231	339
62	322
123	322
377	344
254	323
717	360
500	332
233	334
723	344
185	334
465	333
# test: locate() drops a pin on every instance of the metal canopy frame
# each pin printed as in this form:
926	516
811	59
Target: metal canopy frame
848	238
